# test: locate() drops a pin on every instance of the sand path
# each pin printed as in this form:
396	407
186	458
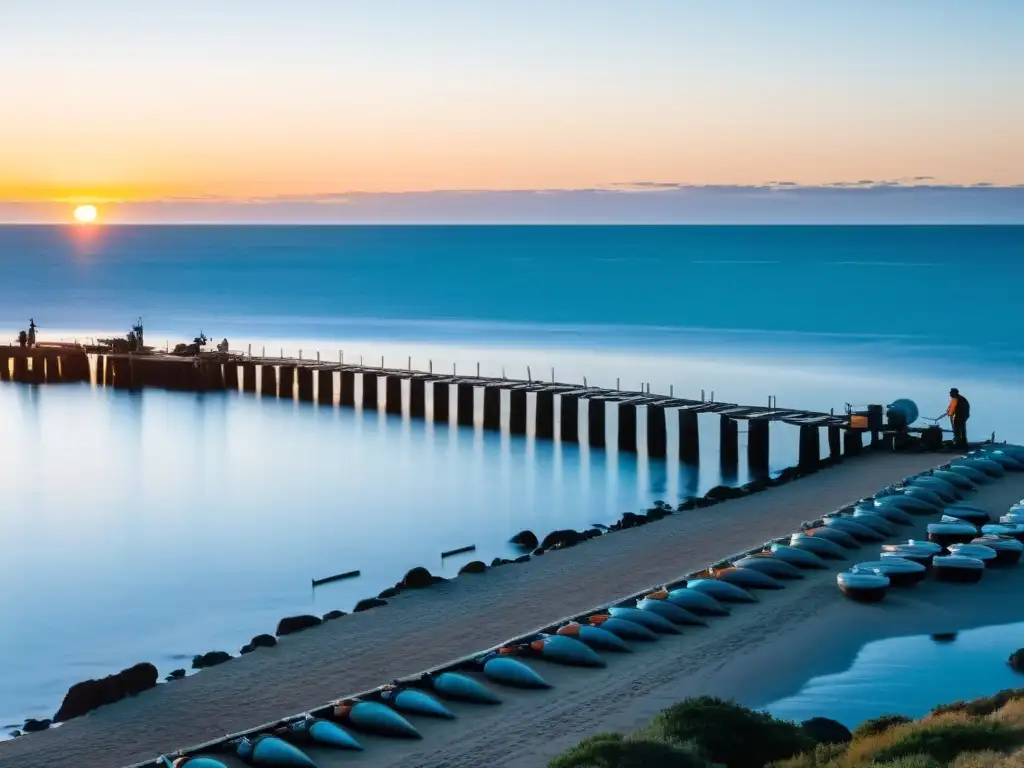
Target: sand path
422	630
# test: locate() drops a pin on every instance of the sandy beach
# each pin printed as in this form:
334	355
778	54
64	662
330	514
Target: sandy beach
750	655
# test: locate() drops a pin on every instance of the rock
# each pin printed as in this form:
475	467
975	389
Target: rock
15	733
247	648
538	552
787	475
657	513
724	493
687	504
417	578
368	603
945	637
498	561
561	539
88	695
292	624
176	674
826	731
755	486
522	559
211	659
332	615
473	567
34	726
630	520
1016	660
437	579
389	593
264	641
525	539
592	533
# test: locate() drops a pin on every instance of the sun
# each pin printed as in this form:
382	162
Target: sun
86	214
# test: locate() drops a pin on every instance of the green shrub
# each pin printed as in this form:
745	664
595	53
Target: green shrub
729	734
610	750
910	761
944	741
878	725
981	707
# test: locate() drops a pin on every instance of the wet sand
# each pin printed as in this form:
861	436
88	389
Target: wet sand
421	630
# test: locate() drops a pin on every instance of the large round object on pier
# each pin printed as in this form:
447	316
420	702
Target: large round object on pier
946	491
670	611
416	703
920	556
1014	530
926	495
747	579
329	734
991	468
859	531
513	673
962	569
1008	551
947	533
835	535
863	587
967	513
987	555
817	545
798	557
875	522
273	752
973	474
1012	518
1006	460
625	629
890	512
957	480
1017	451
777	568
648	619
201	761
901	572
697	602
566	650
375	717
925	546
721	590
901	413
909	504
458	687
595	637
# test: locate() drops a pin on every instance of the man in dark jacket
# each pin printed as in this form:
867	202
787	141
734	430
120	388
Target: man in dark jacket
959	412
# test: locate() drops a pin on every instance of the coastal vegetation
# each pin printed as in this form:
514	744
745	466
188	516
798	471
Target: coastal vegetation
707	732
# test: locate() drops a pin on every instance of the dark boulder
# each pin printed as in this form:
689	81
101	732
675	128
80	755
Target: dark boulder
826	731
417	578
525	539
787	475
724	493
1016	660
211	659
592	533
247	648
687	504
34	726
437	579
538	551
755	486
368	603
473	567
88	695
498	561
630	520
946	637
332	615
387	594
657	513
292	624
263	641
176	674
522	559
562	539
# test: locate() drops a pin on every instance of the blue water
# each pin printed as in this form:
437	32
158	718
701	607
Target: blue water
105	492
910	676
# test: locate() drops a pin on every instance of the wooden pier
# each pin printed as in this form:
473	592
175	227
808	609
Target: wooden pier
404	393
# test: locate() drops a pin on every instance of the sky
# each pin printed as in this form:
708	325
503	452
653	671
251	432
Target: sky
337	109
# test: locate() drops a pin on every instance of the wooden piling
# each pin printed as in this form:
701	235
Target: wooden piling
304	375
393	395
231	375
689	438
627	427
730	441
286	382
20	372
347	393
810	447
268	380
657	439
544	415
371	400
325	386
122	372
853	442
517	411
464	405
5	365
758	446
570	419
595	422
417	398
835	443
442	402
248	377
492	409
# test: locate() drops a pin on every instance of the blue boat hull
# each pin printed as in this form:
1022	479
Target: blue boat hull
669	610
452	685
420	703
652	621
274	752
513	673
374	717
629	630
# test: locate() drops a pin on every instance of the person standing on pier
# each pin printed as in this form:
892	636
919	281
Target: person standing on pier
959	411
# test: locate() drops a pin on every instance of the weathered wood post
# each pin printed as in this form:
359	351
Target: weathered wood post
689	437
464	404
231	375
835	442
248	377
853	441
442	402
393	395
517	411
286	382
325	386
810	447
347	395
492	408
268	381
730	439
758	446
570	418
544	415
305	383
595	423
627	427
370	395
657	439
417	398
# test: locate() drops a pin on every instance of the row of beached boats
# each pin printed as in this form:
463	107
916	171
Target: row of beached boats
665	611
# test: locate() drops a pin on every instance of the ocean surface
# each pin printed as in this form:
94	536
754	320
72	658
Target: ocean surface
155	526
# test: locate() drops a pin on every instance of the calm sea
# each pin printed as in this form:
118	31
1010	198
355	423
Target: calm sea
162	525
